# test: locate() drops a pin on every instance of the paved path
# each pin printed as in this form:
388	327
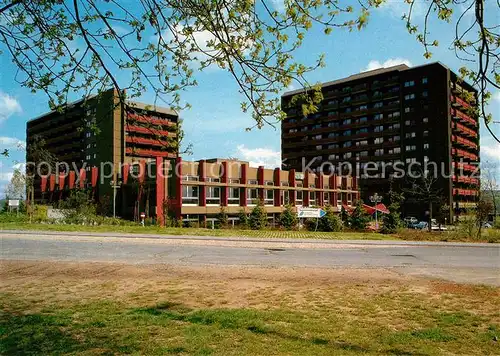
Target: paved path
467	263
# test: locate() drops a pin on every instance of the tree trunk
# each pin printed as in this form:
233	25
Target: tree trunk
494	205
430	216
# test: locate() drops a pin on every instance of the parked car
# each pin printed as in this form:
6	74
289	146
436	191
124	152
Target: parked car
422	225
487	225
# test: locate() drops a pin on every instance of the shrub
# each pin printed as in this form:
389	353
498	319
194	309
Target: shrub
311	224
222	219
392	221
288	219
330	222
258	217
243	219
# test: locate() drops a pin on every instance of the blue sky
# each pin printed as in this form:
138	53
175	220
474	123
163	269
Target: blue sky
215	124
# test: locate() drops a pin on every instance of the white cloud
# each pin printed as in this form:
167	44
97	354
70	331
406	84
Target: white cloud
399	8
374	64
8	106
11	142
266	157
492	151
6	177
496	96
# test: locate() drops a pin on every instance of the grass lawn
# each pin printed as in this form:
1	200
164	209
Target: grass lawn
202	232
99	309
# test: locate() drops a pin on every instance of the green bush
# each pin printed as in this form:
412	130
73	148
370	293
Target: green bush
243	219
6	217
288	219
330	222
222	219
258	217
311	224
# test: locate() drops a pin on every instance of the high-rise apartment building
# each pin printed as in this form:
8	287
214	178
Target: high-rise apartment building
392	117
86	134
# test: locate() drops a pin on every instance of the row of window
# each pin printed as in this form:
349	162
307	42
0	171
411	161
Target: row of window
190	196
411	83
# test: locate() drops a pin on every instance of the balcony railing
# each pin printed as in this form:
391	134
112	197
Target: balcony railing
149	153
457	102
463	117
468	180
464	142
466	192
464	129
464	154
465	166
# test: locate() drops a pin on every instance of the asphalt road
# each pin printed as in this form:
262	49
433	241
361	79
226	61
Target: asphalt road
465	263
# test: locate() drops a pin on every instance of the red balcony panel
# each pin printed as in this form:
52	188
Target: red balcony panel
465	154
463	117
466	192
465	130
149	120
455	100
464	142
468	180
149	153
146	141
149	131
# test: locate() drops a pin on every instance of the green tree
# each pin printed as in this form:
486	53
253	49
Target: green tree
392	221
258	217
243	219
359	219
288	218
331	222
344	216
63	46
222	219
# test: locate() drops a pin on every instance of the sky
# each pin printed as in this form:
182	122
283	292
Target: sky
215	124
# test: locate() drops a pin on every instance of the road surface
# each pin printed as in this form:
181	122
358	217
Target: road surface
465	263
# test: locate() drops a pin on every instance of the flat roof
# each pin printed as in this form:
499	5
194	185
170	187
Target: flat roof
371	73
139	105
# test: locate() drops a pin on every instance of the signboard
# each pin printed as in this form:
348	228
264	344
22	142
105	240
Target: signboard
14	203
310	213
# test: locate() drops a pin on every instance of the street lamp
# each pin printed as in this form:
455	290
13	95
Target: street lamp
375	199
115	186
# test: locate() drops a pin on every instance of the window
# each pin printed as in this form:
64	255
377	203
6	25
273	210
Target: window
347	144
363	119
292	130
190	178
426	146
252	196
378	116
425	120
362	131
361	143
347	133
304	128
363	153
312	198
333	124
407	122
379	128
346	99
409	109
395	150
424	80
378	104
362	107
333	157
394	114
332	102
410	148
316	126
234	196
190	195
394	138
317	137
269	197
285	197
299	195
411	160
253	182
333	146
410	96
213	195
425	93
326	197
333	113
411	135
379	152
426	133
379	140
409	83
318	147
347	155
333	134
346	122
